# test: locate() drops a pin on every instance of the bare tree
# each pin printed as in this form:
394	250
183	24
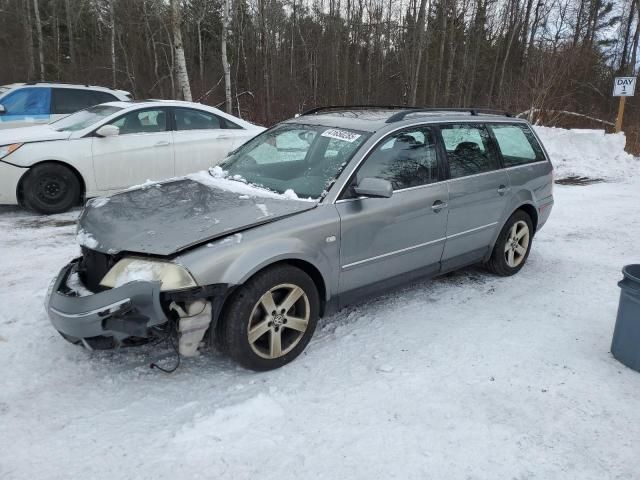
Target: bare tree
226	21
181	63
36	10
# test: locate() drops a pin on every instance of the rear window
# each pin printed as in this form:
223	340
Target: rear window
517	144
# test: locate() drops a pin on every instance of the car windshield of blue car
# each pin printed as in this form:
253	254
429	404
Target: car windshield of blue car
303	158
84	118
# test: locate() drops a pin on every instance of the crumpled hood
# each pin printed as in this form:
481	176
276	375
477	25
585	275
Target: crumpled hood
36	133
164	218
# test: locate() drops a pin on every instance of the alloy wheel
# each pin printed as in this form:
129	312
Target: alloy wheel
278	321
517	244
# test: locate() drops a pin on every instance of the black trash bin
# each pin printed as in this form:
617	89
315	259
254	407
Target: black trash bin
626	336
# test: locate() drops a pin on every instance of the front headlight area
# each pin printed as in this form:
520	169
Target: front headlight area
171	275
8	149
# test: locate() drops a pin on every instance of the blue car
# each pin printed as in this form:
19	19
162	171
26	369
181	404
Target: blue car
25	104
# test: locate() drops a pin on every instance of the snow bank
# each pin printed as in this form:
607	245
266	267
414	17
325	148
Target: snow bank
588	153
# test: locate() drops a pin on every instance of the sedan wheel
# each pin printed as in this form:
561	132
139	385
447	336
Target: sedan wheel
269	320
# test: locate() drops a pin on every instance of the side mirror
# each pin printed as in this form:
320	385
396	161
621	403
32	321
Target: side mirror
2	109
374	187
108	131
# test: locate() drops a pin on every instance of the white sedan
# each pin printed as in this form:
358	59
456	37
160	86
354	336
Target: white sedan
110	147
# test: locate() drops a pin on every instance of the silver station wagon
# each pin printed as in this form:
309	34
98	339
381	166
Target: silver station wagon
315	213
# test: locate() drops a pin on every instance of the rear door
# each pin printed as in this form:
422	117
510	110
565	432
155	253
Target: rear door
383	239
142	151
26	106
201	139
479	193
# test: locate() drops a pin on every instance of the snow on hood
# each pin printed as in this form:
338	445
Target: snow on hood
36	133
164	218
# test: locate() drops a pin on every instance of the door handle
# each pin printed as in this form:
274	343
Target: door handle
161	144
438	205
502	189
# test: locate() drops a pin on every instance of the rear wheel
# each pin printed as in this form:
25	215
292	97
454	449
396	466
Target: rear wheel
51	188
270	320
513	245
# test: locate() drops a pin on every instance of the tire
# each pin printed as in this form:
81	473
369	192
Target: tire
510	253
51	188
275	288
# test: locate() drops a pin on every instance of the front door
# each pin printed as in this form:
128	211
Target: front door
479	193
142	151
388	239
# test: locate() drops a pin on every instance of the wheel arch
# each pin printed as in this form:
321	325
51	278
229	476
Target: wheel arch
307	267
530	210
526	207
19	189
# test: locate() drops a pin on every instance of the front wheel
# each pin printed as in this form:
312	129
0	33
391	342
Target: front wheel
270	320
512	246
50	188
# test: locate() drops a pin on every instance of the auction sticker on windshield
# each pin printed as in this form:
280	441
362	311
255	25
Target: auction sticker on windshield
341	135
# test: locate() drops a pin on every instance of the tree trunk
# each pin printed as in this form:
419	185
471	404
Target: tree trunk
112	28
72	51
28	31
226	20
181	63
419	44
36	10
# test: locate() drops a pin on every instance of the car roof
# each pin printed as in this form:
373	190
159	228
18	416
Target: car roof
378	118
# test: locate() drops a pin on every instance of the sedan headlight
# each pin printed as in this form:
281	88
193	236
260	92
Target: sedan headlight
171	275
7	149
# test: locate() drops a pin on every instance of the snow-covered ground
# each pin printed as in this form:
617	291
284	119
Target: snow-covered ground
468	376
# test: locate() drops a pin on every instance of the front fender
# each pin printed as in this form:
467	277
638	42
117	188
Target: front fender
236	258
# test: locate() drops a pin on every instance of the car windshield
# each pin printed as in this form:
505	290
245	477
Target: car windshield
84	118
303	158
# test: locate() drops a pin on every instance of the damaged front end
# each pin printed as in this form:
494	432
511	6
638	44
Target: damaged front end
105	302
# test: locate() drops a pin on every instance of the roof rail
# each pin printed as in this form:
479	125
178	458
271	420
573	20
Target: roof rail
36	82
396	117
355	107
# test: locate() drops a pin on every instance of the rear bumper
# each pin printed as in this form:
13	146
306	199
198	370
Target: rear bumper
120	312
9	177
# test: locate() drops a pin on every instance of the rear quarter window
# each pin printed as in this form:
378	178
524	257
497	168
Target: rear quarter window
517	144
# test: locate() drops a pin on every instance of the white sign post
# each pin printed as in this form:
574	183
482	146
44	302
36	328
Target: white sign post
623	87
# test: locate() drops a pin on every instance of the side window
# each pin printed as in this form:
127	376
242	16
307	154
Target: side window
406	158
517	144
68	100
142	121
96	98
468	149
27	101
187	119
